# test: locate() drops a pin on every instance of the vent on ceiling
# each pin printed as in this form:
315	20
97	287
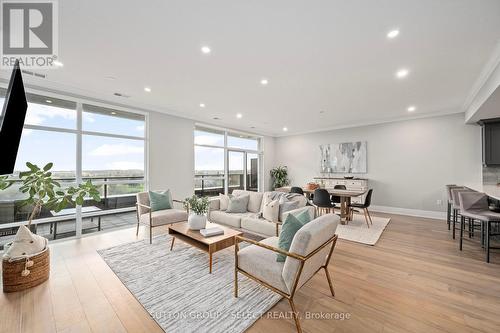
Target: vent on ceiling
35	74
121	95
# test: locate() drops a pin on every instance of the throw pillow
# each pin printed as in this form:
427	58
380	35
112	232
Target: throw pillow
287	205
160	200
290	227
238	204
271	211
224	201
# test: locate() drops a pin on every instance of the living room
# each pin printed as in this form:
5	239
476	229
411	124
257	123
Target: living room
193	166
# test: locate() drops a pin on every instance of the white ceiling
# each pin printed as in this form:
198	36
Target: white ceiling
330	56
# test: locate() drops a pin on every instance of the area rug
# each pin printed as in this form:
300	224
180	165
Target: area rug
179	293
358	231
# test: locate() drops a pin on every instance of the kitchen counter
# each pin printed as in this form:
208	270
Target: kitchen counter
490	189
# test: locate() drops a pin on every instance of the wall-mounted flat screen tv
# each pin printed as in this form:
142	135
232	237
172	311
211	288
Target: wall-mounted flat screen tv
12	121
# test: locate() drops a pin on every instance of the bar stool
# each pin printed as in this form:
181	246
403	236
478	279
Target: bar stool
455	206
474	205
450	202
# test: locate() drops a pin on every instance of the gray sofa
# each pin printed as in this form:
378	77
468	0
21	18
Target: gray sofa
252	221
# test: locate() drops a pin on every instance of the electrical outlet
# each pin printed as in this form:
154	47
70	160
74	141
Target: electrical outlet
439	202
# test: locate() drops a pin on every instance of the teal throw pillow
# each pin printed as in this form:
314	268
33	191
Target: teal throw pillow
290	227
160	200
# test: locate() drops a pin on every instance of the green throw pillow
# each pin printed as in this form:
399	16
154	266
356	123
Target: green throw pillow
290	227
160	200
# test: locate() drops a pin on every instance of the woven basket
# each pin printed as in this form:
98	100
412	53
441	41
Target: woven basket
12	277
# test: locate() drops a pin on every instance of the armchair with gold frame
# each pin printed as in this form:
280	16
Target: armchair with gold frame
310	251
159	217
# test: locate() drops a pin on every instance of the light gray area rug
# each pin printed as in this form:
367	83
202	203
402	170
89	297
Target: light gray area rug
358	231
179	293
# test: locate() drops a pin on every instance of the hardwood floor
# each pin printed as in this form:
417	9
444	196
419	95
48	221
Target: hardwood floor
414	280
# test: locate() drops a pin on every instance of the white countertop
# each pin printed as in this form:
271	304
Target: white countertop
490	189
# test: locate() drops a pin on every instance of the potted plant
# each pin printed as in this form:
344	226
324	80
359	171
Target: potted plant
42	191
198	207
279	176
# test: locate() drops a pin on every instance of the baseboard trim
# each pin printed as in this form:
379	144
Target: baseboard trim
409	212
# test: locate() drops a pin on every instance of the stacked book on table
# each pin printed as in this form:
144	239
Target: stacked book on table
213	231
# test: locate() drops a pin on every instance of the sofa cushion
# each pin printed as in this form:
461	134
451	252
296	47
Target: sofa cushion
233	220
291	225
271	210
254	202
262	264
223	201
160	200
238	204
166	216
260	226
286	206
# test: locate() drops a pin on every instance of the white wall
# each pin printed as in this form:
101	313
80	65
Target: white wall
409	162
171	154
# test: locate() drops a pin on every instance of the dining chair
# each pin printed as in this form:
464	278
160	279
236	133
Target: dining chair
336	199
322	201
296	189
364	206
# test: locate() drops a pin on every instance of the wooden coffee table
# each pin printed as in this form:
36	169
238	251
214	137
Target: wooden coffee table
208	244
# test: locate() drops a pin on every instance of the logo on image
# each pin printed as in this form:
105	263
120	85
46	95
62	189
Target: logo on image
29	33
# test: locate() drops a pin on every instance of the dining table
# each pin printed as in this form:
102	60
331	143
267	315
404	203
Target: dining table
344	195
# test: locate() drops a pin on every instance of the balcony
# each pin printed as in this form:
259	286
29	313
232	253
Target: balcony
213	184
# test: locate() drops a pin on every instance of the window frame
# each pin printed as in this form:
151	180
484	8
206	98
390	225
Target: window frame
227	149
79	132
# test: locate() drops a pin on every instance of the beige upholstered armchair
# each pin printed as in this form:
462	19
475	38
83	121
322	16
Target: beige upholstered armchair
156	218
310	251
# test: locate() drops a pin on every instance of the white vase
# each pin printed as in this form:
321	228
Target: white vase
197	222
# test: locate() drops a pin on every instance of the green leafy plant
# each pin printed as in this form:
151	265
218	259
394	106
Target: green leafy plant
4	182
198	205
279	176
43	190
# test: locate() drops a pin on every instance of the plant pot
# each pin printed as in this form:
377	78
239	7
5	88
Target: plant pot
12	272
197	222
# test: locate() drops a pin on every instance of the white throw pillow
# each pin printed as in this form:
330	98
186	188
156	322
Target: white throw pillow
271	211
25	244
224	201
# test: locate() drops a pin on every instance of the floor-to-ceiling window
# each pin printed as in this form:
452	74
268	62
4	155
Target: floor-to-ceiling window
225	161
84	141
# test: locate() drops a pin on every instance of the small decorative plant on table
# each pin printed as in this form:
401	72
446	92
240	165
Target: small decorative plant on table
279	176
26	260
198	207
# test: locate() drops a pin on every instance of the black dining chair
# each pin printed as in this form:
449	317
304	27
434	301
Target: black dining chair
336	199
364	206
296	189
322	201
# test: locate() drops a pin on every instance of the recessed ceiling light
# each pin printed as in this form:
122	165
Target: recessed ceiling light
252	126
202	105
48	101
411	108
205	49
111	78
58	63
147	89
216	118
113	112
239	115
402	73
264	82
285	129
393	34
